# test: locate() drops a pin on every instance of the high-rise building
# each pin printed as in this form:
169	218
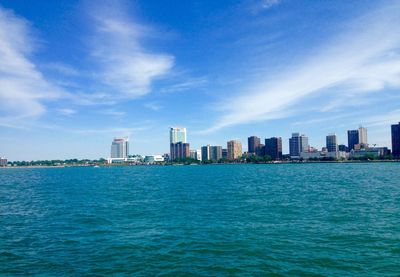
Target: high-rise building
253	143
216	153
234	149
206	153
297	144
178	146
179	150
396	140
225	153
352	139
260	150
120	148
331	143
177	134
363	137
273	148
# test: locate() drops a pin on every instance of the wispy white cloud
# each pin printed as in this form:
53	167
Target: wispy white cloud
125	65
258	6
23	88
153	106
362	60
190	83
66	111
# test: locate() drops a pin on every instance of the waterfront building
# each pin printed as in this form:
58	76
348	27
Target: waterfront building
352	139
225	153
206	153
3	161
215	153
153	159
343	148
253	143
363	137
297	144
260	150
331	143
177	134
195	154
120	148
179	150
273	148
234	149
396	140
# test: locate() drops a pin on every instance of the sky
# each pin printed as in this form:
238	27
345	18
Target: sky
76	74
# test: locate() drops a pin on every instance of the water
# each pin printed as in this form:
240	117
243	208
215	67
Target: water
311	219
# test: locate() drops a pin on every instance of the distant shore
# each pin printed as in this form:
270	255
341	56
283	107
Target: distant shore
204	164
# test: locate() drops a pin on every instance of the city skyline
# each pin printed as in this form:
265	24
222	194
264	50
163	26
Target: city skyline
75	74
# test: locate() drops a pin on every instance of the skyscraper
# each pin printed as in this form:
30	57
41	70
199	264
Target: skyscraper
362	137
253	142
205	153
273	148
177	134
216	153
352	139
120	148
331	143
396	140
178	147
234	149
297	144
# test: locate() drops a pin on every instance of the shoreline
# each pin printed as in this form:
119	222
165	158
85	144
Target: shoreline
200	164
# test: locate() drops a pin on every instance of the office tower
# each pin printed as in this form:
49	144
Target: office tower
178	145
215	153
362	137
253	142
177	134
352	139
179	150
234	149
297	144
120	148
273	148
225	153
206	153
396	140
331	143
260	150
343	148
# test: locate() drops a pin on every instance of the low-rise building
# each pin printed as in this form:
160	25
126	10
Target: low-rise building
154	159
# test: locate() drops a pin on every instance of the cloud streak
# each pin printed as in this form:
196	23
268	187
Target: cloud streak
362	60
23	89
125	65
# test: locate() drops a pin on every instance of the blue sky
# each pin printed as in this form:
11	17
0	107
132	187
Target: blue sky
75	74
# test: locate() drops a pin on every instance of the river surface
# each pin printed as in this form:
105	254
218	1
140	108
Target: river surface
214	220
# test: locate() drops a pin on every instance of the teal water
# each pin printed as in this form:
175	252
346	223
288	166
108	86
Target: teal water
290	220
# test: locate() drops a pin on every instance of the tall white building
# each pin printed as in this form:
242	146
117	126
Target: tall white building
362	136
120	148
177	134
